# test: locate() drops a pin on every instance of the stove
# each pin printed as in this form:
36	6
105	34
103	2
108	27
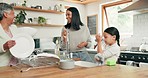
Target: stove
137	57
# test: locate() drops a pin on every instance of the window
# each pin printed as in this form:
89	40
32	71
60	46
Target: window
122	21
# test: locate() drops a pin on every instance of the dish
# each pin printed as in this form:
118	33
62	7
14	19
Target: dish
67	64
48	55
24	46
85	64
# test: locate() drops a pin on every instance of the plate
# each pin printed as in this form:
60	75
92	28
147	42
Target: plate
49	57
85	64
24	46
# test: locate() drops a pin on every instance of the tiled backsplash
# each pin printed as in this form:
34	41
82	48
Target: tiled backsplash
140	22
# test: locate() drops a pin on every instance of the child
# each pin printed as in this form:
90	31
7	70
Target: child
111	49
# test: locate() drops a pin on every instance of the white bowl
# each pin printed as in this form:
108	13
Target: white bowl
67	64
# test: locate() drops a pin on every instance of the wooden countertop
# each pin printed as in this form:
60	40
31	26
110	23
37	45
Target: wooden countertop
118	71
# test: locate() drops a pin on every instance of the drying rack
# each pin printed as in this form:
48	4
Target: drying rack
33	62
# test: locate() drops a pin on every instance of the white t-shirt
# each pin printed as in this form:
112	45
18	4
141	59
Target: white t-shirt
109	52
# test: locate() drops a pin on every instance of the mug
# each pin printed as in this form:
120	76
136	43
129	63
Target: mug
67	64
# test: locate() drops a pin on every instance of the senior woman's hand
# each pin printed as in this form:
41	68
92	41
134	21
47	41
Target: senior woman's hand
9	44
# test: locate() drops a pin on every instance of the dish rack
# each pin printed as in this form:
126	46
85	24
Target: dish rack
34	62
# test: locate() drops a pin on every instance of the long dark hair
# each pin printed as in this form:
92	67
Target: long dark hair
75	21
113	31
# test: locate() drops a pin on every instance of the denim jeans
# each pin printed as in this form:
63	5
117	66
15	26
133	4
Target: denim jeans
83	55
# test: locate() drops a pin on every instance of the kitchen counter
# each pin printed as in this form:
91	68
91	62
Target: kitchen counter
136	52
118	71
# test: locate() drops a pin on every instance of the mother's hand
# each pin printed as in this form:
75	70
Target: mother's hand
82	44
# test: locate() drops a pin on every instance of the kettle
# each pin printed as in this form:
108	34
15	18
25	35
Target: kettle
143	47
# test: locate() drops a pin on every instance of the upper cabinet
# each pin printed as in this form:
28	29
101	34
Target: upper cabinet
37	10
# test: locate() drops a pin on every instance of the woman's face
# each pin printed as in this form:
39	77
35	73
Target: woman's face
10	17
109	39
68	16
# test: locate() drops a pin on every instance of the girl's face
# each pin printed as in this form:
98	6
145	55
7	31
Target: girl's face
109	39
68	16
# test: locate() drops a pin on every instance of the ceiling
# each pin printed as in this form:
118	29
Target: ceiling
82	1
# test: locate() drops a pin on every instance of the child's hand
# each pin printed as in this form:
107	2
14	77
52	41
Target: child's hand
98	38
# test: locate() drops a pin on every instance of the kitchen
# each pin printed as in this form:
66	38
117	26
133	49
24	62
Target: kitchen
134	41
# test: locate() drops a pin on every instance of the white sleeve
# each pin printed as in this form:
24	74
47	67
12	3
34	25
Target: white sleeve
2	49
111	52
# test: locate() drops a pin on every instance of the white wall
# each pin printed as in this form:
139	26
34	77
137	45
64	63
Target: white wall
95	8
85	10
140	25
140	30
55	18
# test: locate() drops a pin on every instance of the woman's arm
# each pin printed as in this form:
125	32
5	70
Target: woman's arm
86	43
63	38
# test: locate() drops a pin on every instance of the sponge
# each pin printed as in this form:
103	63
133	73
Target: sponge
111	62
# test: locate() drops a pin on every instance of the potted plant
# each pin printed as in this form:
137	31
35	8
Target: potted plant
41	20
24	4
21	17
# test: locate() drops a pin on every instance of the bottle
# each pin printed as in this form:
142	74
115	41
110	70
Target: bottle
57	51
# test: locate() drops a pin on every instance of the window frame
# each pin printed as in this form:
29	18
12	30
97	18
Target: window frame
104	13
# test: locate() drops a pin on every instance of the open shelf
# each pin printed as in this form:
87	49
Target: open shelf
44	25
37	10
